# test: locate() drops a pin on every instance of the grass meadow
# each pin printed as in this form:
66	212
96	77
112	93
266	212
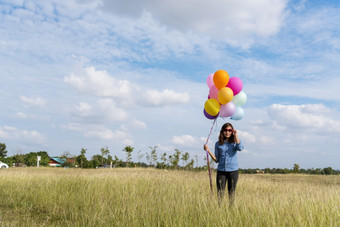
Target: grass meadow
150	197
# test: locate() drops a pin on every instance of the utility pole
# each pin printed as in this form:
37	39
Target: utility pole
38	160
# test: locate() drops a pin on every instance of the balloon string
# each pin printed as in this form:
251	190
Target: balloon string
210	180
212	127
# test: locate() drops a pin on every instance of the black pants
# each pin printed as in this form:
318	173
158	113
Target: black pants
221	179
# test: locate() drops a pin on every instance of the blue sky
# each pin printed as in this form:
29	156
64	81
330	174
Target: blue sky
88	74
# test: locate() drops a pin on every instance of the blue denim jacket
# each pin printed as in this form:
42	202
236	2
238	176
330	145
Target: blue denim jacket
226	155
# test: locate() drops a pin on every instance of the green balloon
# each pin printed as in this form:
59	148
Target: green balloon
239	99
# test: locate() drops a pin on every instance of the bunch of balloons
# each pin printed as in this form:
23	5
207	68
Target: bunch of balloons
225	96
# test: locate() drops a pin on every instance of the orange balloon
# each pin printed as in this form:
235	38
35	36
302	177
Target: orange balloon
221	79
212	107
225	95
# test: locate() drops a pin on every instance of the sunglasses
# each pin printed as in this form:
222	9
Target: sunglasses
228	130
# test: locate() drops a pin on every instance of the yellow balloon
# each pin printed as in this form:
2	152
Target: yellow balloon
225	95
212	107
221	79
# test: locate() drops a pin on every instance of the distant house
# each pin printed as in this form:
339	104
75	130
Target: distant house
56	162
259	171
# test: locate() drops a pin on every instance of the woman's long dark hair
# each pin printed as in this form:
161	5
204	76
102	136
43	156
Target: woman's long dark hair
222	138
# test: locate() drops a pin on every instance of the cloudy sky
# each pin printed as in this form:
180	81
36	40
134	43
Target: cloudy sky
88	74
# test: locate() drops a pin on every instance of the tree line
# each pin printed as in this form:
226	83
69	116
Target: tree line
296	169
177	160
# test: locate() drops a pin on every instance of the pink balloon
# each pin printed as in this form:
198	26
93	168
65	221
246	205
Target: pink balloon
210	81
235	84
213	92
227	110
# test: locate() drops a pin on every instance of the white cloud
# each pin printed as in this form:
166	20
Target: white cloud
246	136
166	149
225	19
73	126
315	108
32	101
107	134
300	5
303	116
184	140
83	109
164	98
247	152
101	84
266	139
278	127
136	124
14	2
110	110
105	110
100	132
21	115
203	139
12	133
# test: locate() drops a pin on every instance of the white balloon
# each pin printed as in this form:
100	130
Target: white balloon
240	99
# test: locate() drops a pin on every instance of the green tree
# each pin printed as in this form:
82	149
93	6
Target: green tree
9	161
174	159
327	171
128	150
318	171
148	158
153	155
267	170
117	162
185	158
45	158
110	160
3	151
82	157
105	152
190	165
164	159
96	160
196	159
30	159
296	168
66	155
19	158
69	159
140	155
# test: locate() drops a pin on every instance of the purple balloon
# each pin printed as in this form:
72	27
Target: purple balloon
210	117
227	110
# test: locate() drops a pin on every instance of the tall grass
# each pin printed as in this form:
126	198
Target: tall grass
149	197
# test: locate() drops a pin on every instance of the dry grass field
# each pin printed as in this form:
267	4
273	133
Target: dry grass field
150	197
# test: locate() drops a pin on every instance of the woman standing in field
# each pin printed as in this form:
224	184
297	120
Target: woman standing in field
226	156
